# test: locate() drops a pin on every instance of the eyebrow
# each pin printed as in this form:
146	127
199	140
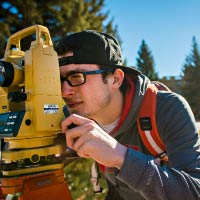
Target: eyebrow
74	71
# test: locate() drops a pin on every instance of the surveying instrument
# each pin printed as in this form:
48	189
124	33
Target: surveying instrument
30	117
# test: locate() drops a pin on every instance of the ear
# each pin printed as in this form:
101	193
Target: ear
118	78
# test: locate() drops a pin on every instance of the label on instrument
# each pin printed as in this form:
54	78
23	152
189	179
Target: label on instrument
50	108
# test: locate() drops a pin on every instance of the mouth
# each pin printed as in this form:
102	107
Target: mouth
73	104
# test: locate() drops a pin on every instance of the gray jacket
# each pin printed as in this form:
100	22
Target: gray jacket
141	177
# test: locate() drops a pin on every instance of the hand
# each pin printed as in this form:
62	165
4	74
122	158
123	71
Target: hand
91	141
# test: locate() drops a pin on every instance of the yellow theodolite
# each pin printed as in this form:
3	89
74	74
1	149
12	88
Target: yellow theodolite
30	115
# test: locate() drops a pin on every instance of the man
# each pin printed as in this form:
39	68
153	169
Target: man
104	98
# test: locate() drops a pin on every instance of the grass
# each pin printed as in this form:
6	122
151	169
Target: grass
78	179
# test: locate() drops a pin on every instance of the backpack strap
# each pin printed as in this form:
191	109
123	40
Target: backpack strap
147	127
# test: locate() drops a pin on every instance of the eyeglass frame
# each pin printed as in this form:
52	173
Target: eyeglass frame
100	71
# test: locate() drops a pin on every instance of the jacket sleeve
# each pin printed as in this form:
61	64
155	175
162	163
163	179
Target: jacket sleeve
113	193
180	179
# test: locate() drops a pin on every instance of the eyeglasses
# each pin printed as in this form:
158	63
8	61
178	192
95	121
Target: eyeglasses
79	78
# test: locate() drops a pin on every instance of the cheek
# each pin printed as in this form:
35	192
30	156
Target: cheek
99	97
96	91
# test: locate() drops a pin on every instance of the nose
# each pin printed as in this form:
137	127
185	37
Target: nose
66	89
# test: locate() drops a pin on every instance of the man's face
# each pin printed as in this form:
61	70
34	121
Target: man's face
91	99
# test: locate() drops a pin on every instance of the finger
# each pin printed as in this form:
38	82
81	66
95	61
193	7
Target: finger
72	135
83	151
73	119
81	141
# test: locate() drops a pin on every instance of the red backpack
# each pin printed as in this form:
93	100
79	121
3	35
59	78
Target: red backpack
146	121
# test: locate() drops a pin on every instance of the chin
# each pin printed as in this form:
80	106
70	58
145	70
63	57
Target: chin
77	112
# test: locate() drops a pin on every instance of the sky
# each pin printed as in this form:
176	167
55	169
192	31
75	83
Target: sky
167	26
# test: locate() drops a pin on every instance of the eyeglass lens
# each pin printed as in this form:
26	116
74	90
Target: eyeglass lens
79	78
76	78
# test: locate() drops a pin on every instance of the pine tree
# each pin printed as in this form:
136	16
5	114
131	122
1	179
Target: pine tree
191	77
145	62
60	17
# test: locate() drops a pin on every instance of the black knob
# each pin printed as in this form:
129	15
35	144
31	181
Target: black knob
17	96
